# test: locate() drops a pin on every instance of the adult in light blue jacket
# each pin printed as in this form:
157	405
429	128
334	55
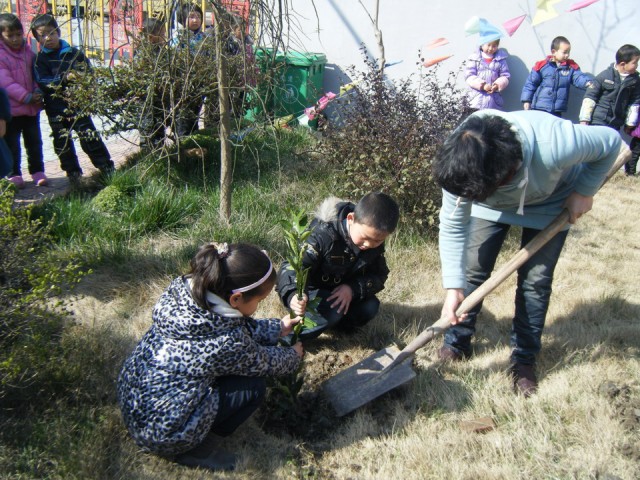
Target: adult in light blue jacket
500	169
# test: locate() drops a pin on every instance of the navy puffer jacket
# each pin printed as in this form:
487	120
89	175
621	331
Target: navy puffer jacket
547	87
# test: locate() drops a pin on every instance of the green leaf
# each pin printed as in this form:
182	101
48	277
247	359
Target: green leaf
307	322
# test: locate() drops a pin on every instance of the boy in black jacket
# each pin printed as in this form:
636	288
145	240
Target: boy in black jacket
613	99
54	68
345	254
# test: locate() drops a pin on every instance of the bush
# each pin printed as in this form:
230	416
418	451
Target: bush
32	277
110	200
386	135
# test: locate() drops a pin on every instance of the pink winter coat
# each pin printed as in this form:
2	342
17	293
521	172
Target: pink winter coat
16	77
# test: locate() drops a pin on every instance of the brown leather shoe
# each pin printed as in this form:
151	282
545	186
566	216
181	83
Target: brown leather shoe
524	379
446	354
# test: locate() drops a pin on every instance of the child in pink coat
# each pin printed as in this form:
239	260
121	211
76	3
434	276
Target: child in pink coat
25	100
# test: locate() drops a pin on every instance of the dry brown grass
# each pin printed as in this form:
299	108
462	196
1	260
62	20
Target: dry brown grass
583	423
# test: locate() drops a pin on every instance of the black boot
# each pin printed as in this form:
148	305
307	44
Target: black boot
208	455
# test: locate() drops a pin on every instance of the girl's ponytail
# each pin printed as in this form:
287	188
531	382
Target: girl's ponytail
224	269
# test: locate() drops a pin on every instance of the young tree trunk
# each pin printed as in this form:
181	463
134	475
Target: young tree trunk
378	33
225	121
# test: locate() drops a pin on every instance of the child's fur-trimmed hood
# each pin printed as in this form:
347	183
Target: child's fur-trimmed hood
327	211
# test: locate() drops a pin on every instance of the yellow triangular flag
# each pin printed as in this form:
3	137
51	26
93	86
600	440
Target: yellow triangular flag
545	11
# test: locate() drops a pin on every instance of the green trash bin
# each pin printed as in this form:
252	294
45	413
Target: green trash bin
296	81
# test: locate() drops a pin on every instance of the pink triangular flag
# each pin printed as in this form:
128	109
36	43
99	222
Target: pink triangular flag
438	42
579	5
512	25
432	61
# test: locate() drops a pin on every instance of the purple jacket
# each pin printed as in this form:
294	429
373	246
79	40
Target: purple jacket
478	72
16	77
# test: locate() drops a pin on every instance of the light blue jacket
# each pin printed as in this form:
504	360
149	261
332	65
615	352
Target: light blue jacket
558	159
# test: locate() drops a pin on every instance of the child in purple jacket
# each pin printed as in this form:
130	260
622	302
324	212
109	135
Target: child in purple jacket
25	99
486	71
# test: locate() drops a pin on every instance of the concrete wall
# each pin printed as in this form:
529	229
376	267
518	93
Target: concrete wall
338	28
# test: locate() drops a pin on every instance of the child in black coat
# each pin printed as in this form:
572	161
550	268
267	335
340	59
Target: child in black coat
55	67
345	255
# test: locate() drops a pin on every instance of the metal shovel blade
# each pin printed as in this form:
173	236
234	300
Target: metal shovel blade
367	380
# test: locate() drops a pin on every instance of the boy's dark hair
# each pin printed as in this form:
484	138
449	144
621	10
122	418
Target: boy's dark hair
559	40
627	53
377	210
220	273
9	21
45	20
151	26
477	157
185	10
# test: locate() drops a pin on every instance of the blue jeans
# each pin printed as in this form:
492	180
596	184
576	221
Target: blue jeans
532	293
239	398
360	312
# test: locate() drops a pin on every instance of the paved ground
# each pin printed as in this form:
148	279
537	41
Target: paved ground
119	146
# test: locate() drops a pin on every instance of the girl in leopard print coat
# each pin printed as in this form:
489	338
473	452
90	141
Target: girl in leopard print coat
200	368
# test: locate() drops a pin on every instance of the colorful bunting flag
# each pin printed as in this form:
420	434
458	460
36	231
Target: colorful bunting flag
579	5
438	42
432	61
512	25
545	11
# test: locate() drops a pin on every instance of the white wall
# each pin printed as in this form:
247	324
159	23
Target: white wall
340	26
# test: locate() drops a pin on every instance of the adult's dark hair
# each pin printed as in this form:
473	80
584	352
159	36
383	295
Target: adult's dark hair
220	273
8	21
556	42
377	210
151	26
627	53
185	10
45	20
477	157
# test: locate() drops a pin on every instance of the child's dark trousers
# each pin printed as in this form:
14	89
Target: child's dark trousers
90	142
29	128
631	165
239	398
360	312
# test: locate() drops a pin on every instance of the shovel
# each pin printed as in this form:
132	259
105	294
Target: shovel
389	368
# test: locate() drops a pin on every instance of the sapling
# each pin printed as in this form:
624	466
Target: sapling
296	233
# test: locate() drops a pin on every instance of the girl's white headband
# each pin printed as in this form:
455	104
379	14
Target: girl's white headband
255	284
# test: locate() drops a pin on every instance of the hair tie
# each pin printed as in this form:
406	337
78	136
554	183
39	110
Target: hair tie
222	248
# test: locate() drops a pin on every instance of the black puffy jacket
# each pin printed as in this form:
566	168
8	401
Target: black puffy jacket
334	260
613	96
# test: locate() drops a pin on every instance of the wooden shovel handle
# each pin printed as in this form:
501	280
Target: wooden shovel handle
506	270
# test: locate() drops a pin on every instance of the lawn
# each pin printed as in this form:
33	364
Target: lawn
583	423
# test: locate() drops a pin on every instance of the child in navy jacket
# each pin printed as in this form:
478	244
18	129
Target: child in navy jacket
547	87
55	66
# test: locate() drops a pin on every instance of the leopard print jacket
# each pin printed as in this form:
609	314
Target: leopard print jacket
167	388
